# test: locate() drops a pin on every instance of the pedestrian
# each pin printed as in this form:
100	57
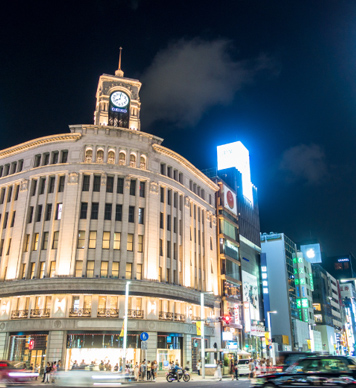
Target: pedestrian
143	369
116	367
219	372
198	367
251	366
136	371
101	365
48	372
154	370
148	370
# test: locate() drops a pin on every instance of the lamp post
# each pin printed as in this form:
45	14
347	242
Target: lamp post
270	330
202	331
125	322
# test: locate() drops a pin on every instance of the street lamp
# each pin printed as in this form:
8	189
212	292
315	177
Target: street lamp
125	321
270	329
202	331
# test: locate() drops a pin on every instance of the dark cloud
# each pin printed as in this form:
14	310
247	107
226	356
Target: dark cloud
189	77
306	163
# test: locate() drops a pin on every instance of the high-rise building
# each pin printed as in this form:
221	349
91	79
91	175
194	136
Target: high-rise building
85	212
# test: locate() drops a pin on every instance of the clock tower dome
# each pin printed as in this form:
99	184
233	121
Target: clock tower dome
117	101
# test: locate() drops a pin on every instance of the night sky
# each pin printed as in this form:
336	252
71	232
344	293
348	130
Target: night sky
280	76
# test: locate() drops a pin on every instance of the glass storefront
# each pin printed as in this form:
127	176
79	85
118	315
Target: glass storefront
97	347
169	348
29	348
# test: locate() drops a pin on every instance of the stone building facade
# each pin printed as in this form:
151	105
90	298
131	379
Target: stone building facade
84	212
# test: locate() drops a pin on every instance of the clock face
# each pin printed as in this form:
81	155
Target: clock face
119	99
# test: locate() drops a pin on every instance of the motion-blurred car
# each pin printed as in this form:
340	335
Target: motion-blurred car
285	359
330	371
244	366
88	376
13	372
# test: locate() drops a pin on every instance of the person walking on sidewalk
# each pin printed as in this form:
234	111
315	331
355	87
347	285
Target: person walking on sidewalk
198	367
236	370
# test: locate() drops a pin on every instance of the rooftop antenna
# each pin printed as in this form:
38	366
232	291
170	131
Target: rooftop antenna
119	72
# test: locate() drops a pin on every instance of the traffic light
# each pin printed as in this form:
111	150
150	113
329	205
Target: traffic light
31	344
227	319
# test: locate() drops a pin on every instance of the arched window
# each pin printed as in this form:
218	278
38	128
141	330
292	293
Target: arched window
122	158
132	160
88	155
142	162
100	156
111	157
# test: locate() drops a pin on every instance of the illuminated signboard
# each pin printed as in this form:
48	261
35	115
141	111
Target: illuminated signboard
230	200
237	155
305	303
311	252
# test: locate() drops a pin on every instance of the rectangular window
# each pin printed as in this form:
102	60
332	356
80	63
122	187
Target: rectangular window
9	194
115	269
104	269
42	185
35	242
110	184
20	166
140	243
52	269
118	213
96	186
64	156
117	240
32	273
45	241
17	189
175	223
30	215
39	213
168	222
81	239
46	159
90	268
139	272
55	157
175	200
92	239
23	271
142	189
52	181
61	184
141	215
9	247
161	220
83	210
78	269
120	185
55	240
133	187
128	271
169	171
13	219
108	211
27	243
168	249
42	270
59	211
2	196
163	169
161	247
106	240
37	160
48	211
131	213
94	210
130	242
162	194
169	197
86	183
1	246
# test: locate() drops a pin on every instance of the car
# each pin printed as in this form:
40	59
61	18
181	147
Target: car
309	372
244	366
285	359
14	372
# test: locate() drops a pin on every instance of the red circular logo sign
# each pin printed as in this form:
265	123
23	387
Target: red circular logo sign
230	199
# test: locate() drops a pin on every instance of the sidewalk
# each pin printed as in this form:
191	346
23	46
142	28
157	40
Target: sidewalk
161	377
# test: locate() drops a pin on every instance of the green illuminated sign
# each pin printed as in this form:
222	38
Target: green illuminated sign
296	281
299	304
301	270
305	302
311	281
306	316
294	260
300	260
302	281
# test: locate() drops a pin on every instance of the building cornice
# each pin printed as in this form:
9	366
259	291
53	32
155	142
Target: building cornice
165	151
38	142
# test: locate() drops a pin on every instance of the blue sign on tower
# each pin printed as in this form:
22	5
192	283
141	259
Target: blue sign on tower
144	336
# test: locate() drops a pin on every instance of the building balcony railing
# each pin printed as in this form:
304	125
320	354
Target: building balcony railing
166	316
108	313
137	314
39	313
85	313
19	314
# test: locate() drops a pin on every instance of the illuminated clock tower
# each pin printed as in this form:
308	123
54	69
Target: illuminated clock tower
117	101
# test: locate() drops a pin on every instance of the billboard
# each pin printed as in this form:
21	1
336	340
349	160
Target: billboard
311	252
230	200
250	296
237	155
